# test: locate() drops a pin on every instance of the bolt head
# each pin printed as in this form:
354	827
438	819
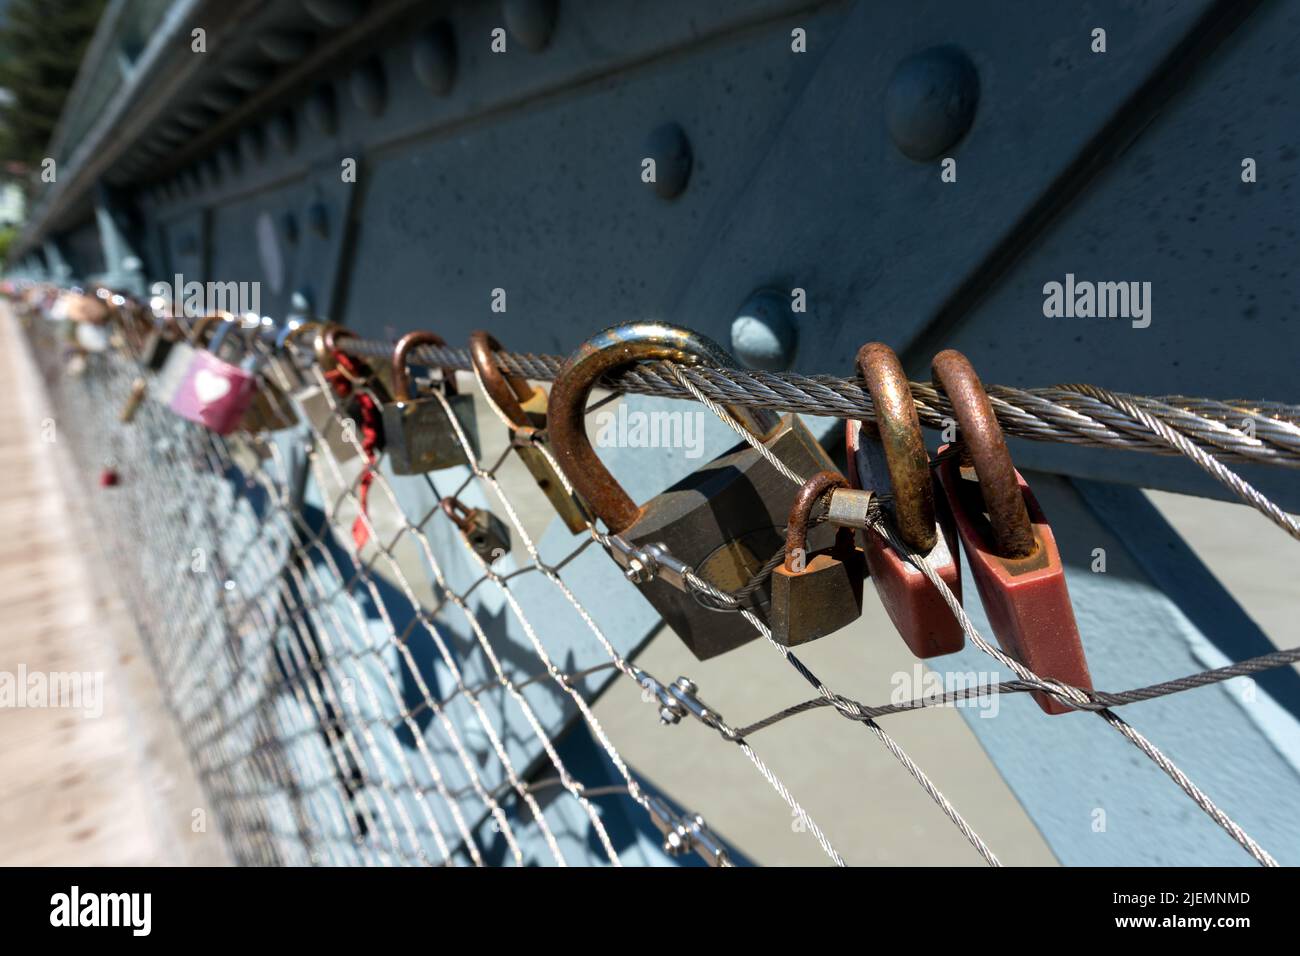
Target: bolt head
930	101
531	22
433	58
764	334
671	150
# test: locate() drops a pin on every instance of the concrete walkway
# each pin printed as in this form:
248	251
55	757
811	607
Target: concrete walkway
104	782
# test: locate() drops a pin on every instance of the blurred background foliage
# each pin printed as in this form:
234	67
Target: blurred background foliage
41	45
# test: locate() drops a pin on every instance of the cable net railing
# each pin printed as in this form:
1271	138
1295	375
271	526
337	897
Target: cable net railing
358	683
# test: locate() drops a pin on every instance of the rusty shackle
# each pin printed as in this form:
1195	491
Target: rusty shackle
401	375
608	351
899	430
461	514
199	328
325	343
1013	535
509	392
796	529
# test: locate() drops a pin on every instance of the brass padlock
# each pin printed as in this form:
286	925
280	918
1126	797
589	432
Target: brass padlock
419	436
139	388
815	594
725	520
487	534
525	406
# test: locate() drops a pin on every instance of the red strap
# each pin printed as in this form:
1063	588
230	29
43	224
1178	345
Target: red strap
340	379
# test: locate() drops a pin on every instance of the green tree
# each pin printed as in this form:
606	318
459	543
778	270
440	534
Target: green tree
41	45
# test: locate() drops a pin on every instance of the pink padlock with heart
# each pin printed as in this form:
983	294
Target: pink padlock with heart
214	393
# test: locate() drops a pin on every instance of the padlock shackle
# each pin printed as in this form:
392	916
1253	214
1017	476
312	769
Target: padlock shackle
507	391
796	529
1013	535
198	329
899	431
326	342
291	332
402	375
616	348
233	323
460	513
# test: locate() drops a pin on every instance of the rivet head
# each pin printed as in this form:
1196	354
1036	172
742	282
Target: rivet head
220	100
252	143
930	101
335	13
247	77
369	86
212	169
764	334
671	151
318	220
322	110
233	160
434	57
284	132
531	22
286	46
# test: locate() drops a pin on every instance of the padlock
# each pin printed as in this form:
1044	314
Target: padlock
179	358
419	436
162	338
888	457
487	534
1009	545
725	520
815	594
216	393
525	407
138	390
338	421
314	403
270	409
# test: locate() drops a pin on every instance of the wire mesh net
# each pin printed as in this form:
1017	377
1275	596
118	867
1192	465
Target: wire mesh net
355	684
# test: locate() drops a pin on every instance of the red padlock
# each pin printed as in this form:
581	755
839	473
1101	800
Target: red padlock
1010	547
888	457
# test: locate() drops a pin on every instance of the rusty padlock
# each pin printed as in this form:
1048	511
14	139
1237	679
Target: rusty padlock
487	534
724	520
1008	542
815	594
419	436
525	406
888	457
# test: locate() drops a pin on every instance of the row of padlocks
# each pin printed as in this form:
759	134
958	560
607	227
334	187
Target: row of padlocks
723	523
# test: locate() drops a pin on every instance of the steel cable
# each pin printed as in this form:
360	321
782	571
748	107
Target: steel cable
1052	414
